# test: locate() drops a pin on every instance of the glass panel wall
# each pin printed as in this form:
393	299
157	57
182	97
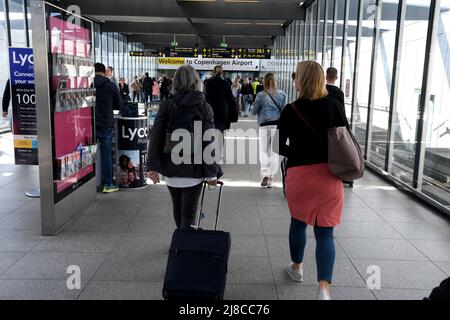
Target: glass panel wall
17	23
437	153
406	110
313	39
383	81
321	27
349	59
360	105
329	38
415	31
337	62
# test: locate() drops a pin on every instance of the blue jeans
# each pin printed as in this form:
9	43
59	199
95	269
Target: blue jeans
246	103
105	137
325	250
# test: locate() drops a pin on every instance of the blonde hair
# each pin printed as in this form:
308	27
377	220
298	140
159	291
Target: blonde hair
270	83
310	80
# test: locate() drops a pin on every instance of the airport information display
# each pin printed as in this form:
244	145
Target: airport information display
209	53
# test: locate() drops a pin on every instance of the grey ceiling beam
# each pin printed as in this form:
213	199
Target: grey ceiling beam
267	11
195	28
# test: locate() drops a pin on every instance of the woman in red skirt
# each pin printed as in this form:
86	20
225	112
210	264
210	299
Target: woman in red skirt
315	196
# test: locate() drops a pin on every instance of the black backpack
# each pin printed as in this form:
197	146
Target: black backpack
181	117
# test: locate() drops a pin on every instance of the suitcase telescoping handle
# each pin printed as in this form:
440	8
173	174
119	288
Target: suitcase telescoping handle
219	201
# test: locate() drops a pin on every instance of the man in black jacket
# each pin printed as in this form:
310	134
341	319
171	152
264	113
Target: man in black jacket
333	90
147	87
107	98
220	97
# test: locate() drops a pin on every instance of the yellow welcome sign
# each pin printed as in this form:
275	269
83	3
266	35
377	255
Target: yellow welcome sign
171	61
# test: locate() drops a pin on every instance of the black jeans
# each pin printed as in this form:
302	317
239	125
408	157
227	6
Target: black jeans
185	204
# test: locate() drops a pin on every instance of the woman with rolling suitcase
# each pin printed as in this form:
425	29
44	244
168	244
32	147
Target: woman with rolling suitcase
186	105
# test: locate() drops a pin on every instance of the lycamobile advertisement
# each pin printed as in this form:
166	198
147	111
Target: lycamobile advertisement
23	100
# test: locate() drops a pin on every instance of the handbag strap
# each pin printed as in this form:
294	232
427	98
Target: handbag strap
273	99
306	122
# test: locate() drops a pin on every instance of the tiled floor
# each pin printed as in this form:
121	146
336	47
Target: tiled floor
120	243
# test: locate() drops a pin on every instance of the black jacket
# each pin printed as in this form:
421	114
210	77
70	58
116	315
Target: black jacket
336	93
147	84
220	97
107	99
305	147
247	89
161	162
6	97
124	91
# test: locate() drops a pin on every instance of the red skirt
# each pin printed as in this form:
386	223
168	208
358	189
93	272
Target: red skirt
315	196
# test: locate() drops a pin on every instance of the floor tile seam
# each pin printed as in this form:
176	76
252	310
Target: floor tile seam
101	264
268	253
26	253
353	264
13	212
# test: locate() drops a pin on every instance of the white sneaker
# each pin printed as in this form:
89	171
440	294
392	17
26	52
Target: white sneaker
324	295
270	183
296	275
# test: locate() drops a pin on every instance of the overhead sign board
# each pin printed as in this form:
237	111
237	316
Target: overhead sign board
216	53
146	53
181	52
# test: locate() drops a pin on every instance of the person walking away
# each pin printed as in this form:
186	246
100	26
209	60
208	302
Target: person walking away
236	90
220	97
260	86
107	98
124	91
165	89
136	86
333	90
184	181
147	87
155	90
315	196
247	96
255	85
268	106
110	75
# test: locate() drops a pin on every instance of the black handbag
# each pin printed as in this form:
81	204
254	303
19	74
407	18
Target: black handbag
130	110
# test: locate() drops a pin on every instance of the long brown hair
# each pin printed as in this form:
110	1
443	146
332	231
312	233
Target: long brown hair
310	80
270	83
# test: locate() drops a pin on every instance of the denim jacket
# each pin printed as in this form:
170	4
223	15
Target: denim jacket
265	107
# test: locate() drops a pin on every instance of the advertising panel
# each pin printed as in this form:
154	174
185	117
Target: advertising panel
23	100
73	100
132	144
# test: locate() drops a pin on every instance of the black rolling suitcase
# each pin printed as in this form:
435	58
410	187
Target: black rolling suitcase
198	261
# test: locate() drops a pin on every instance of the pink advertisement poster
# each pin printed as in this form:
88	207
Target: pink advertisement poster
71	127
70	39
